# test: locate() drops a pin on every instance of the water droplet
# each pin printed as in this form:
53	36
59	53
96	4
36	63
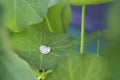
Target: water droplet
44	49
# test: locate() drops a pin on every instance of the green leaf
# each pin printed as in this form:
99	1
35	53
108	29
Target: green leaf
88	2
57	18
113	50
11	66
1	15
27	44
23	13
113	20
81	67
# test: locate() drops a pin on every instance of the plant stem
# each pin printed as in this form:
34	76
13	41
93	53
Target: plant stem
82	30
49	25
98	44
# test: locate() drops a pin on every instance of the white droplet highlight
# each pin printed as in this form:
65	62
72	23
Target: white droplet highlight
44	49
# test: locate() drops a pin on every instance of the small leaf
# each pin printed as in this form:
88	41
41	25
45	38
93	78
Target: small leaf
1	15
11	66
23	13
57	17
81	67
27	44
88	2
14	68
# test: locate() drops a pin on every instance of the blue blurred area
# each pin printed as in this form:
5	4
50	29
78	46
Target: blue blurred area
95	17
95	21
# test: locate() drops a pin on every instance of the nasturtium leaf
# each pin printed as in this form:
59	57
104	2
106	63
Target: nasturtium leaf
113	51
81	67
88	2
1	15
27	44
23	13
14	68
58	16
11	66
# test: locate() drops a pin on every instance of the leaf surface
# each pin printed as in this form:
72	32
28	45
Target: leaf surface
58	18
23	13
11	66
113	50
27	44
81	67
14	68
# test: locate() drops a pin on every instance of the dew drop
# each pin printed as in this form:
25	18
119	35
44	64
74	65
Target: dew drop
44	49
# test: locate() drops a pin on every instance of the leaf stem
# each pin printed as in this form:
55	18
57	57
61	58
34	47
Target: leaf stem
49	25
82	30
98	44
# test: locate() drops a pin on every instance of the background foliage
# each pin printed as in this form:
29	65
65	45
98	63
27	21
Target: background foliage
42	24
